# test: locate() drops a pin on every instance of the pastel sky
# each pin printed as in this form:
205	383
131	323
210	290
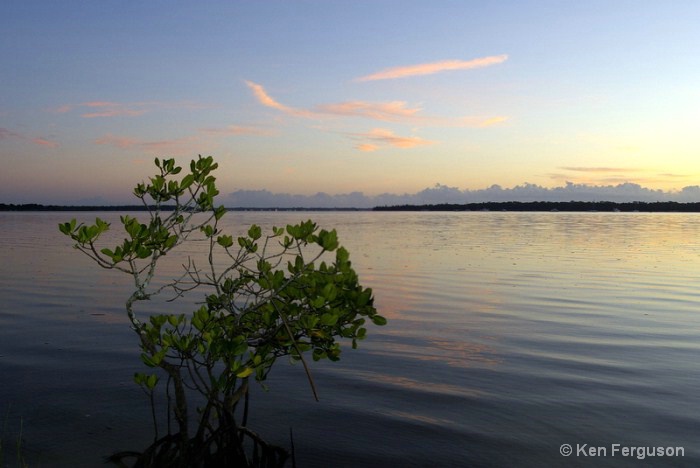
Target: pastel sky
377	96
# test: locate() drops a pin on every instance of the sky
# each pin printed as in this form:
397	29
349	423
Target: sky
352	102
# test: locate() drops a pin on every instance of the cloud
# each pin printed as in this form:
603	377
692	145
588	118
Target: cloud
44	142
179	146
469	121
61	109
624	192
382	136
176	146
603	175
114	109
6	134
599	169
97	109
237	130
118	141
482	123
267	101
392	111
368	147
434	67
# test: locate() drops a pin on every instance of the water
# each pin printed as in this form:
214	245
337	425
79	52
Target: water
509	335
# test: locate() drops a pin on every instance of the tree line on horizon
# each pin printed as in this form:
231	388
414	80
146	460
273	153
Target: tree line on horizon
665	206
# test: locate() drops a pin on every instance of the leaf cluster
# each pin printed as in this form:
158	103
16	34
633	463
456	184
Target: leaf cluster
287	293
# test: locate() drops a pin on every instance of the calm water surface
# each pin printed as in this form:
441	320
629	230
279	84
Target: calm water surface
509	335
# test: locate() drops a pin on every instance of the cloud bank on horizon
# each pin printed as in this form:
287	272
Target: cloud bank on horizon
620	193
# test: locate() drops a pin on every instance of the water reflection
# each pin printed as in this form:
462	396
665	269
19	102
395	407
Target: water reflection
509	334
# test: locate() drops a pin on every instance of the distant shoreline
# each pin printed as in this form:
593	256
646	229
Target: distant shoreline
128	208
576	206
572	206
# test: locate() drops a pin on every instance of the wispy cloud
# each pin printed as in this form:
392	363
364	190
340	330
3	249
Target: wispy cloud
434	67
6	134
484	122
97	109
184	145
118	141
44	142
237	130
597	175
392	111
267	101
367	147
176	146
114	109
599	169
377	137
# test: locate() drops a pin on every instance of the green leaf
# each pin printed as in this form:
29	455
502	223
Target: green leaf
245	372
378	320
255	232
65	228
219	212
147	360
329	319
170	242
186	181
143	252
225	241
328	240
329	292
139	378
151	381
208	230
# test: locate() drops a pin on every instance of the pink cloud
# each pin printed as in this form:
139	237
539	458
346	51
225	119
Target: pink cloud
367	147
113	109
493	121
61	109
113	113
176	146
599	169
386	111
118	141
267	101
117	109
44	142
391	111
100	104
237	130
434	67
7	134
382	136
